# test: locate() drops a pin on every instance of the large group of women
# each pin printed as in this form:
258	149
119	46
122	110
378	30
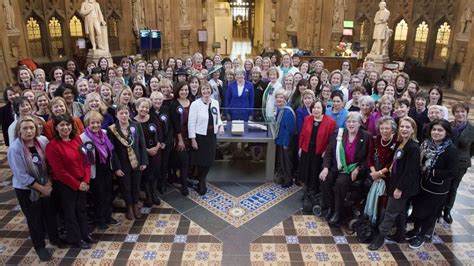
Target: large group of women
75	134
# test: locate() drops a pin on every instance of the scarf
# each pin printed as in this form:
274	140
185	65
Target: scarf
459	127
341	155
128	143
36	167
102	144
430	153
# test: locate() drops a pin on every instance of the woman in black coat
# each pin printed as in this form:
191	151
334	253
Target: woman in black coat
7	115
463	137
403	183
438	158
339	172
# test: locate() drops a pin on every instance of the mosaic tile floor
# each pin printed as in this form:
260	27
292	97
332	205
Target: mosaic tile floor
160	237
239	210
307	239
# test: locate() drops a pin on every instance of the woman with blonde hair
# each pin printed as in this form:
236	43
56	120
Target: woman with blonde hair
27	160
125	97
42	105
95	103
99	156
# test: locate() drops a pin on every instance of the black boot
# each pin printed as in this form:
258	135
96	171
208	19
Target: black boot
377	242
201	188
154	192
447	216
184	185
162	185
307	205
148	198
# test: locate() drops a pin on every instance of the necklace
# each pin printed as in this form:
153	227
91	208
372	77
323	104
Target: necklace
388	143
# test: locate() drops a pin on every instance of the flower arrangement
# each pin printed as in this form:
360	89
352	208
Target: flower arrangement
344	49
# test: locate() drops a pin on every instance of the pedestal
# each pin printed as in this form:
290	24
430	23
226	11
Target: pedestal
379	61
94	55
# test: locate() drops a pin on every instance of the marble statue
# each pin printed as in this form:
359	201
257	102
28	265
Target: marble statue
93	20
380	29
388	35
9	15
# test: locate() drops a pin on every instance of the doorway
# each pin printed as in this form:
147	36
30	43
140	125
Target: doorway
247	25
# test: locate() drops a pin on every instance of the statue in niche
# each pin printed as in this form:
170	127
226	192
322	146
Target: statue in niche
380	29
466	20
293	16
9	15
93	21
138	16
339	11
184	12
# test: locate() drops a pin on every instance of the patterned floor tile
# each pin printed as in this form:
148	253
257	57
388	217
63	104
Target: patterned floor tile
308	239
239	210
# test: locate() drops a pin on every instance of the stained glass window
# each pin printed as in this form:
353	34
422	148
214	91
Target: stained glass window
442	42
56	37
421	38
33	32
400	39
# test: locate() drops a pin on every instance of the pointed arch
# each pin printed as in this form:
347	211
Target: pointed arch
400	39
363	31
55	30
421	38
443	38
34	35
76	27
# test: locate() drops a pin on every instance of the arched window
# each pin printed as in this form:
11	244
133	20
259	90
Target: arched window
75	27
112	29
56	37
442	42
33	32
421	38
364	33
400	39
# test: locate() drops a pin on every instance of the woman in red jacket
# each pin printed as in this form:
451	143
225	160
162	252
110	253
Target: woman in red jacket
71	174
314	137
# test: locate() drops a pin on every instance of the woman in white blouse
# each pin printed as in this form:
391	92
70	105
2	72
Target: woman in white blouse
204	123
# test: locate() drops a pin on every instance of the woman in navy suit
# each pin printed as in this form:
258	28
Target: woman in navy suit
239	95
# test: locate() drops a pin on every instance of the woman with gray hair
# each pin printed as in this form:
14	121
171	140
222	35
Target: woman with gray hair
345	161
367	105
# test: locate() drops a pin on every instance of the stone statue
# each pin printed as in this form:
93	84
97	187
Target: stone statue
138	16
184	12
292	16
93	20
388	35
380	29
9	15
339	11
466	20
